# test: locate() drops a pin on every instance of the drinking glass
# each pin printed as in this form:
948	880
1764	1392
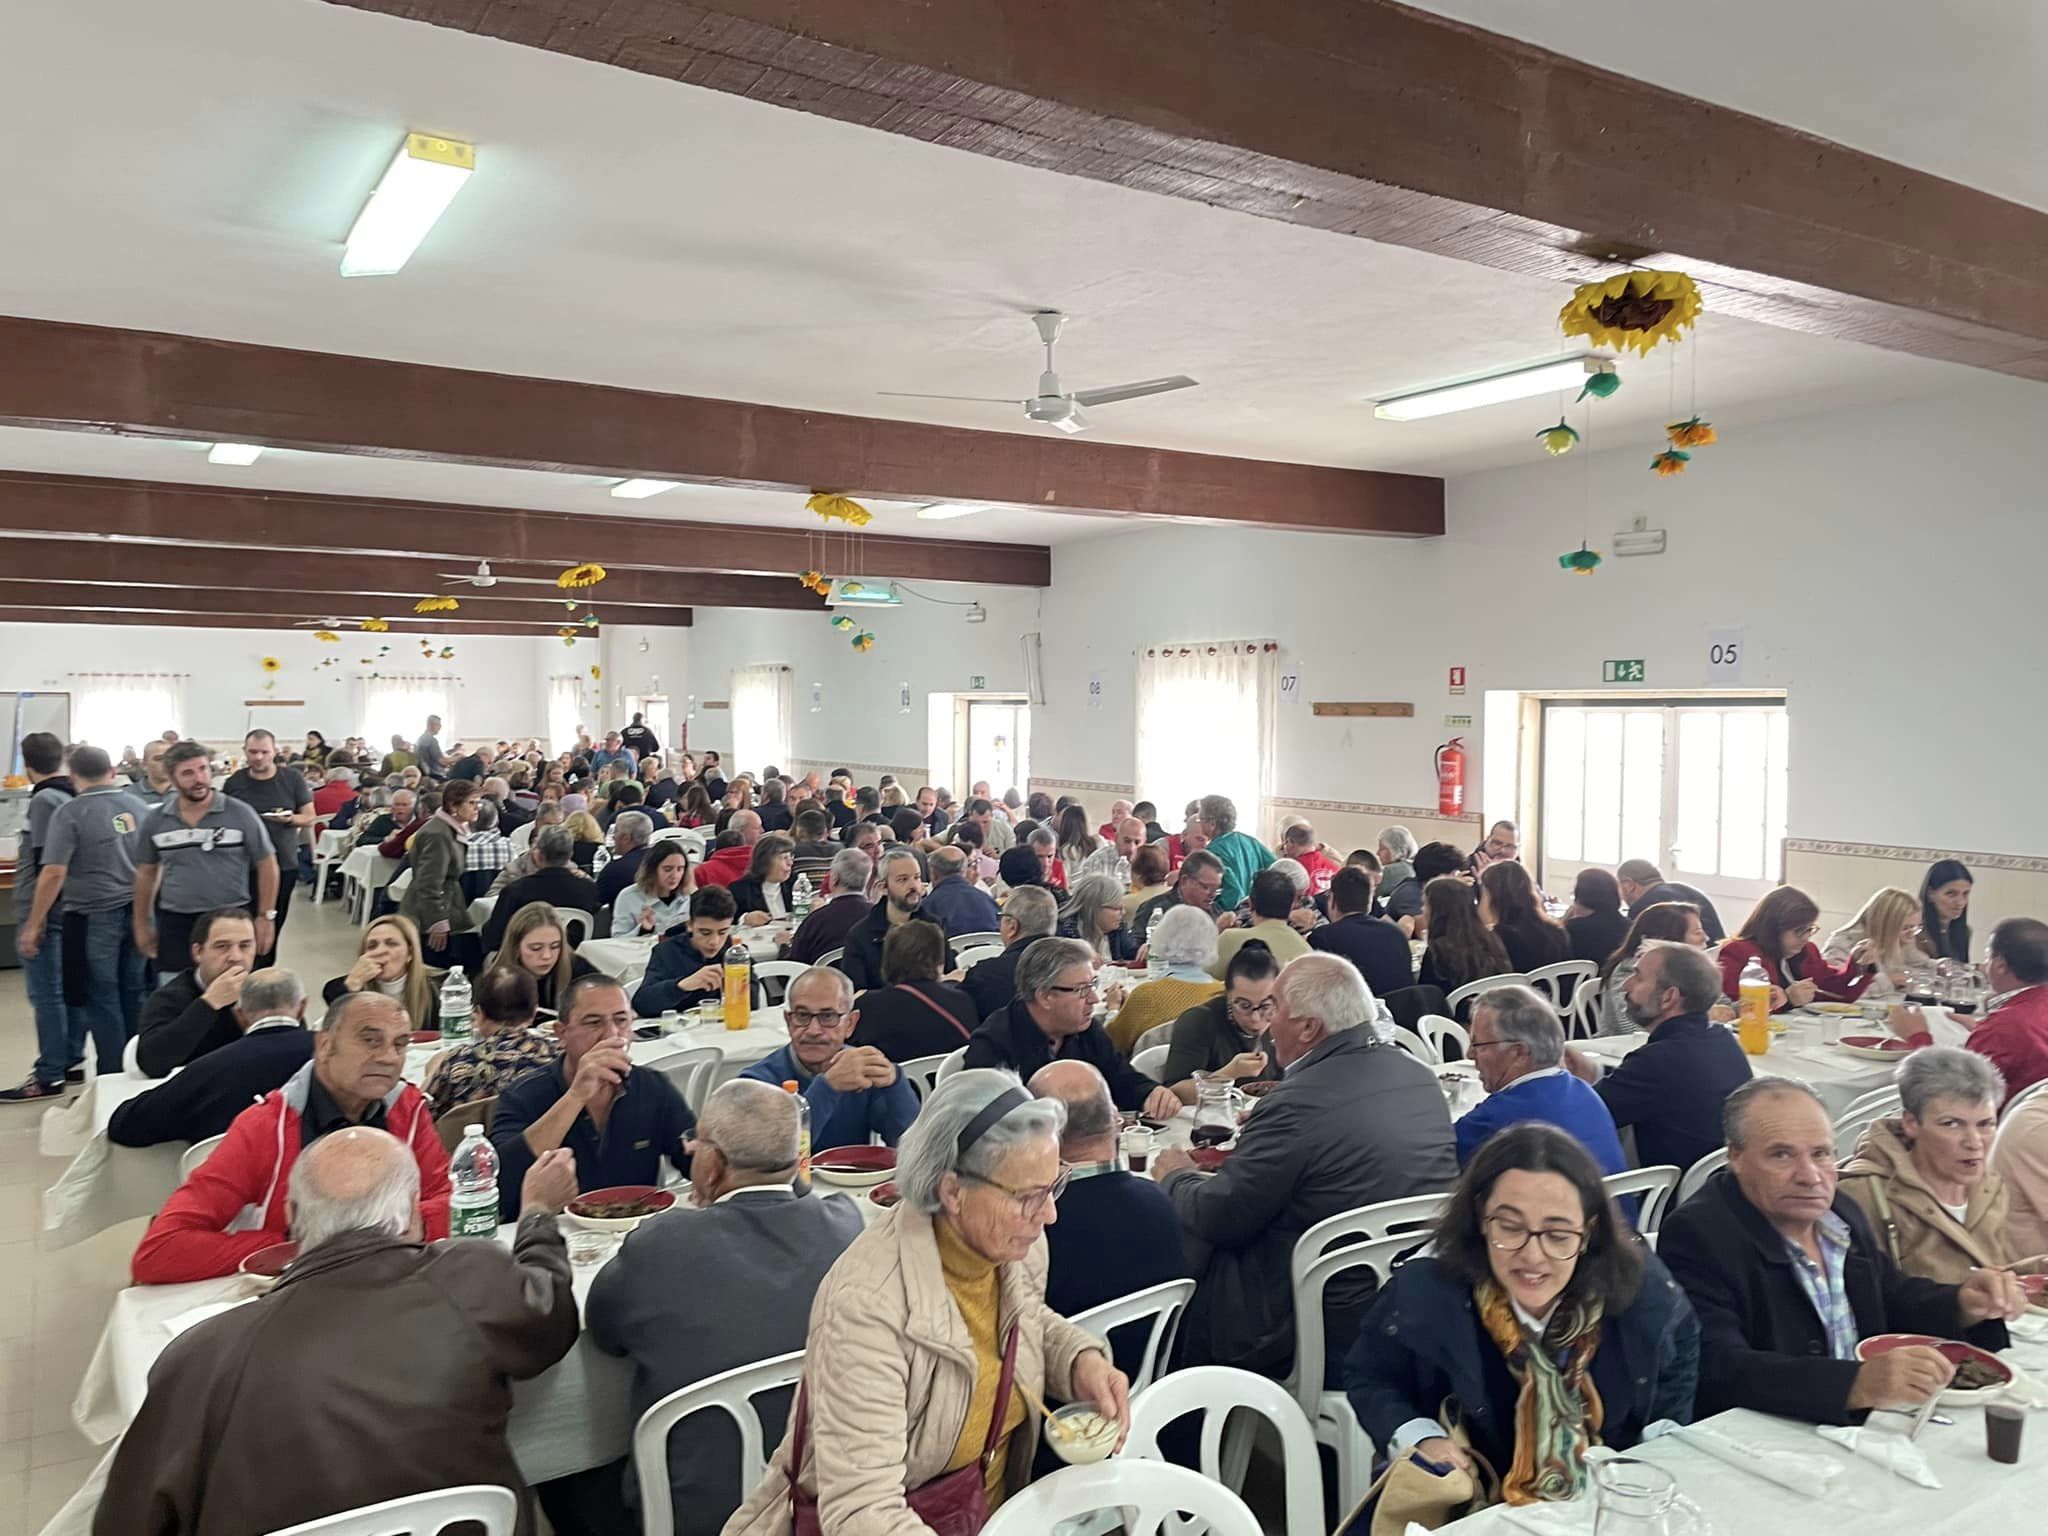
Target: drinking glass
1634	1498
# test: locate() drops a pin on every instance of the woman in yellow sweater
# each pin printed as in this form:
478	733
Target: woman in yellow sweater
1186	946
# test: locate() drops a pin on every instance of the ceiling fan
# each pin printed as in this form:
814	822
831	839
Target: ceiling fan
1052	406
482	577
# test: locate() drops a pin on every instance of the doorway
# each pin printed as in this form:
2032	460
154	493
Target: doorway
653	710
992	741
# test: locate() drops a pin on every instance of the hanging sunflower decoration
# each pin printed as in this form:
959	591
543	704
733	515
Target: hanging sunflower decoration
1558	440
1636	310
596	674
577	576
326	637
830	506
436	605
376	626
864	641
813	581
1692	433
1671	461
1581	561
272	664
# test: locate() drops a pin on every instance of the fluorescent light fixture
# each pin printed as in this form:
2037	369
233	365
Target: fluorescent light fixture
945	511
640	490
861	594
1544	378
417	188
233	453
1639	541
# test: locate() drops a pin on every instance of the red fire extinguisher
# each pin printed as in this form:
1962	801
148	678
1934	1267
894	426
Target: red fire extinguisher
1450	777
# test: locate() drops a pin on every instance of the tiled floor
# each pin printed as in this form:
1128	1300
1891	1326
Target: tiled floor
53	1304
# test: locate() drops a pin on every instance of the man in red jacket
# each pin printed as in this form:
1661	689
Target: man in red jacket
2014	1034
731	863
233	1204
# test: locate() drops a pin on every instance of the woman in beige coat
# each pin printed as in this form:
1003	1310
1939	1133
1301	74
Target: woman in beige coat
904	1357
1925	1179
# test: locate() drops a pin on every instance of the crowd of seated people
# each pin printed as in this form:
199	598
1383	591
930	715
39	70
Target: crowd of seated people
1128	968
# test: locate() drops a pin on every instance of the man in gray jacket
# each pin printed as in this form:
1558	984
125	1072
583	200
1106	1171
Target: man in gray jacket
694	1292
1354	1121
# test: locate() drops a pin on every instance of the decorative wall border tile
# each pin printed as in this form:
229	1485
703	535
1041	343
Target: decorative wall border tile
824	765
1363	808
2023	863
1038	783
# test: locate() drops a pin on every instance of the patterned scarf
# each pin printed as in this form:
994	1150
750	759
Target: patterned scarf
1558	1413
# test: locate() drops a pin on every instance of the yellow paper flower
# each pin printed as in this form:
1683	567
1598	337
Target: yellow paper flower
588	575
830	505
596	674
376	626
813	581
272	664
1558	439
568	640
1632	310
1671	461
447	651
436	605
326	637
1692	433
863	641
842	622
568	635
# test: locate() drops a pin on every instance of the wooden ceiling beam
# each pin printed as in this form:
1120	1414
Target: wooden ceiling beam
172	619
1371	119
287	608
99	379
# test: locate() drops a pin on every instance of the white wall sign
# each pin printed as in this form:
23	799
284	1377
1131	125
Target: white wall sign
1095	690
1724	655
903	697
1290	687
817	697
1458	722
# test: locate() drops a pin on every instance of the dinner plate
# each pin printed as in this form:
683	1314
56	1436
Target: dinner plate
1954	1350
1846	1010
658	1199
266	1266
1208	1159
853	1167
1874	1047
885	1195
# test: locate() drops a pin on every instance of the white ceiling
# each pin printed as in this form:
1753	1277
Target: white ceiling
196	170
1954	89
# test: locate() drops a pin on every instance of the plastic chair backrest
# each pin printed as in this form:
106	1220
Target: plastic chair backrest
1158	1034
420	1514
575	925
1150	1063
196	1154
1163	1304
1147	1494
923	1072
782	972
1653	1184
733	1393
1416	1046
131	1056
451	1125
1214	1391
832	956
1698	1174
1550	980
1372	1237
968	959
1485	984
692	1072
962	941
1858	1117
1436	1029
954	1061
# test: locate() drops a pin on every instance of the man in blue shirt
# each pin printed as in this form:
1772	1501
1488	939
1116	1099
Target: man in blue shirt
1518	1046
955	902
853	1090
620	1121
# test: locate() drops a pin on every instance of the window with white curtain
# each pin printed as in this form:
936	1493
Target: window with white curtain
763	700
1205	725
565	710
399	706
122	709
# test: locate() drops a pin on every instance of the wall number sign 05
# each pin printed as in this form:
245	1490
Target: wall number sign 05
1725	650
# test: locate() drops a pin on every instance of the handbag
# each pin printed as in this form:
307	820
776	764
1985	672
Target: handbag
1409	1493
965	1032
952	1504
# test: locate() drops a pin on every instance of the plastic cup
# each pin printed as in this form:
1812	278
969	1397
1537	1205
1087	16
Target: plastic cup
1137	1148
2002	1425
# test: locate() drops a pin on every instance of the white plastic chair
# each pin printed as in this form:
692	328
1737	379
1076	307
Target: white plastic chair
832	956
966	941
923	1072
131	1060
1147	1494
1164	1304
968	959
693	1072
732	1393
1485	984
575	925
1873	1106
953	1063
781	971
1158	1034
1150	1063
1436	1029
1214	1391
1416	1046
1698	1174
1551	981
1582	1022
420	1514
196	1154
397	887
322	863
1653	1184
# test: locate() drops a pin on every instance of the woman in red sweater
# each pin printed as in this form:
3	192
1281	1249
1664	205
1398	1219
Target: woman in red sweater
1780	933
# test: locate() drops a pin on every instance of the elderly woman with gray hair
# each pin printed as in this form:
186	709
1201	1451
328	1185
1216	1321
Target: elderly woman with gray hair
928	1326
1183	950
1924	1179
1094	914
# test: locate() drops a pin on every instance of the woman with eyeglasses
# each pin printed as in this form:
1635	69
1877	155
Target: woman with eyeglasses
1780	933
927	1328
1537	1324
1227	1035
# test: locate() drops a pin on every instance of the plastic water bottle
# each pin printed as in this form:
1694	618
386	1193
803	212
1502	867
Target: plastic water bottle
1123	873
803	1134
1753	1008
800	898
454	1008
473	1173
739	985
1154	966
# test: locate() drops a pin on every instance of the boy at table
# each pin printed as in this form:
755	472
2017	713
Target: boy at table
233	1204
688	965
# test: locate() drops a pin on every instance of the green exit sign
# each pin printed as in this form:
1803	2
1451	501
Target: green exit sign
1621	671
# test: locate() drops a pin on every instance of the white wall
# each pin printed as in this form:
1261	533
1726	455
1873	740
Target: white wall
501	693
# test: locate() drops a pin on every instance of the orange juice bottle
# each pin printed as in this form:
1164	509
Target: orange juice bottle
803	1134
739	986
1753	1008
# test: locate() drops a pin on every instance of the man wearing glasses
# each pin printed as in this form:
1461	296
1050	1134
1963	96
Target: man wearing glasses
1518	1046
854	1090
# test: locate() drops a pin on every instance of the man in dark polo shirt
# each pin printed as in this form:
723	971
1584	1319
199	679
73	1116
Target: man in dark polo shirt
620	1122
198	851
279	795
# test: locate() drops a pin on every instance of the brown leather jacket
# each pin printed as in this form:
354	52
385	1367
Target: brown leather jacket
376	1368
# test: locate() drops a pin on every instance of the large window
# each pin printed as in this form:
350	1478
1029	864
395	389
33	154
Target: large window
126	709
762	701
1205	725
399	706
565	711
1697	789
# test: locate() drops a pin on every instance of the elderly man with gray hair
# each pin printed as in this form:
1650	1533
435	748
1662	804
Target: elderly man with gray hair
204	1098
1031	914
1353	1122
632	831
1518	1046
840	910
283	1411
1400	890
855	1091
555	880
722	1282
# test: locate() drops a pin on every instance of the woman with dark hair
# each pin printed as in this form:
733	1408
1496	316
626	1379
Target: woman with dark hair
1676	922
1226	1036
913	1013
315	755
1595	922
764	892
1779	932
1945	910
1537	1317
1461	947
1508	904
696	809
1076	842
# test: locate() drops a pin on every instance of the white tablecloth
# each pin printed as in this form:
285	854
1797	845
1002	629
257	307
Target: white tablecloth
626	959
105	1183
370	871
1801	1051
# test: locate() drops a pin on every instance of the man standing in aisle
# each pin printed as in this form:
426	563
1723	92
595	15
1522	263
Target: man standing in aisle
637	736
1241	854
196	852
60	1035
427	753
86	884
279	795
